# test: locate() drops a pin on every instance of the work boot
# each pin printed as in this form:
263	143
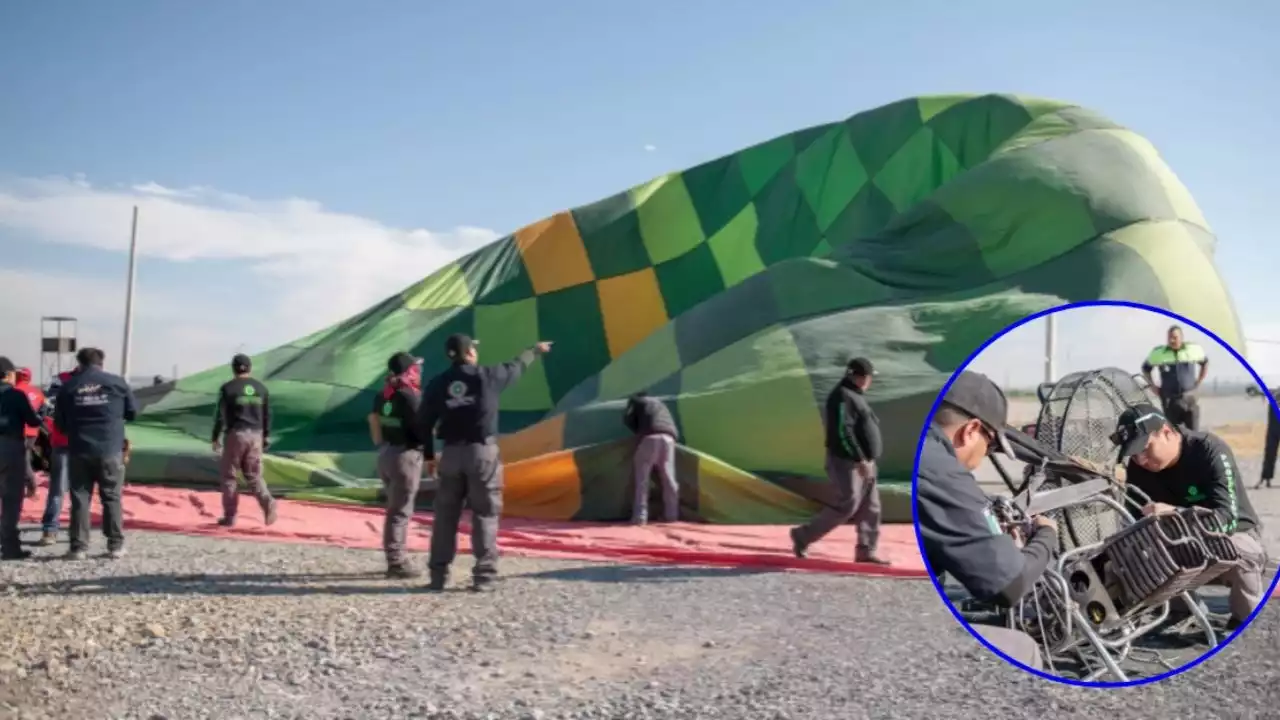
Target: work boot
74	555
227	522
437	583
400	571
482	586
797	547
869	557
47	539
269	513
115	554
15	554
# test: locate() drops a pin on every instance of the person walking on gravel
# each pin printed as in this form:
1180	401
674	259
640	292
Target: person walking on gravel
16	481
394	430
244	411
650	421
1179	469
853	446
958	533
92	408
1183	367
463	400
59	483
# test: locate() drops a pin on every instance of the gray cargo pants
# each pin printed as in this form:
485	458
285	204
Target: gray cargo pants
472	473
400	469
1016	644
1248	589
242	453
655	452
857	499
14	467
107	473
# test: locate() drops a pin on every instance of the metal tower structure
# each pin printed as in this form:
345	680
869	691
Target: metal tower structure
57	346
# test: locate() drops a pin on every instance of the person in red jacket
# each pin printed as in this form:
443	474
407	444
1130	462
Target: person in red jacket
58	478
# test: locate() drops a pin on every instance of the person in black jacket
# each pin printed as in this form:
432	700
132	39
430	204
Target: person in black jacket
92	408
1178	468
244	411
463	400
853	445
650	421
393	425
958	532
16	481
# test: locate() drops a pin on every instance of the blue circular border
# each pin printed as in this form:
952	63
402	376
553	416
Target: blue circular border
915	477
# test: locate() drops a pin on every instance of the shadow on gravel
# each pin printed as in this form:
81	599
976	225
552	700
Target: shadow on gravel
208	584
640	573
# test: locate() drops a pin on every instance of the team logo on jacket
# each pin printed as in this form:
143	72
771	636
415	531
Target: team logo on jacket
458	396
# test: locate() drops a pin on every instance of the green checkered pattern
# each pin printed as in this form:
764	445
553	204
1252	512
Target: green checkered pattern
737	289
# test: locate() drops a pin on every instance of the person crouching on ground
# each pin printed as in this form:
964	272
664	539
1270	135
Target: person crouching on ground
394	431
650	421
244	409
1184	468
853	445
16	481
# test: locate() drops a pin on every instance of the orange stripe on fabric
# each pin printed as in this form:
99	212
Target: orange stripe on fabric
553	254
543	488
632	307
541	438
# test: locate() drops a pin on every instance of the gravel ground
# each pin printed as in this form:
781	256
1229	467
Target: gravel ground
292	631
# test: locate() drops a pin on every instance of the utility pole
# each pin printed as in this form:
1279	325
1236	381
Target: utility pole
1050	347
128	298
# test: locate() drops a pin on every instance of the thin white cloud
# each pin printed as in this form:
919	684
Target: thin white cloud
322	265
650	148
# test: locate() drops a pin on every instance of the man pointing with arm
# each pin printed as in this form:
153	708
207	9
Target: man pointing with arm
460	406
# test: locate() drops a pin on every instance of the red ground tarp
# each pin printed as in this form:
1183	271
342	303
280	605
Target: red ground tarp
195	513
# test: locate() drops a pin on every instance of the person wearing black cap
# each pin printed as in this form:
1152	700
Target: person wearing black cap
960	536
16	481
244	411
92	408
393	425
853	445
463	400
1182	468
655	431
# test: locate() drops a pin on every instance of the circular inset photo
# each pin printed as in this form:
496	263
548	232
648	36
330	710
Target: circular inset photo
1092	494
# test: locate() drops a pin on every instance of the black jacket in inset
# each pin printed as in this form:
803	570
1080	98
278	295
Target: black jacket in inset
463	400
646	415
853	430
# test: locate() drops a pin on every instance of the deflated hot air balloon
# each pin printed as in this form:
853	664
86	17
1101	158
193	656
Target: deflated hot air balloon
736	291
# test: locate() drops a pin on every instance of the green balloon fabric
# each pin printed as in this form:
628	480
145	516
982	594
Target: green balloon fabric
736	291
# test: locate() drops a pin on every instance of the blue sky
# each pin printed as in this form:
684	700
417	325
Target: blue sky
248	130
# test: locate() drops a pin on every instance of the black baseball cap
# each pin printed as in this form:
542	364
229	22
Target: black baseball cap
977	396
1135	426
861	366
241	363
401	362
7	366
458	344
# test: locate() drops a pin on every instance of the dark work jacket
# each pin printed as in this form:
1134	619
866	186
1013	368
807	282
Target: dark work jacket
463	401
16	413
398	417
649	416
853	430
92	408
243	404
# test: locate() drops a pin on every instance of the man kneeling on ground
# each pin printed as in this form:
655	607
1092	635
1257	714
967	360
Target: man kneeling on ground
961	537
1182	468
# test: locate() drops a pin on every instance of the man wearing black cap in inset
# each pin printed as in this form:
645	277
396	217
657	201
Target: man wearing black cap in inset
961	537
853	446
244	410
393	425
464	401
1183	468
16	481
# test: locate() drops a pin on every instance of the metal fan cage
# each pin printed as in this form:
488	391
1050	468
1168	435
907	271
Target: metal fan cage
1078	415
